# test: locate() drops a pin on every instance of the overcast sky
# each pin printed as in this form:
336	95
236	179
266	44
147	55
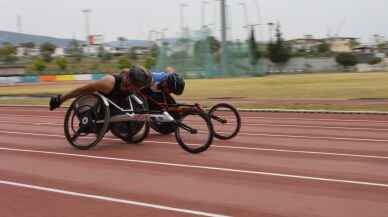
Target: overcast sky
134	18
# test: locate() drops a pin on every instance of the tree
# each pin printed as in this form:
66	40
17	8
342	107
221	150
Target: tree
374	61
383	45
61	63
75	50
354	43
150	62
155	50
47	50
179	55
28	45
132	53
215	45
39	65
278	52
124	63
103	54
323	47
346	59
253	49
101	51
205	48
7	53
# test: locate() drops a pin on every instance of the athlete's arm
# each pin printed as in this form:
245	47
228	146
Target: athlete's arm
104	85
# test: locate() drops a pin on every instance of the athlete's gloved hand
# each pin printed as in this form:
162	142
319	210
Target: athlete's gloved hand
55	102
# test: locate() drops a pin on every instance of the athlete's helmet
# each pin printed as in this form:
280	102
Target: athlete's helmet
139	77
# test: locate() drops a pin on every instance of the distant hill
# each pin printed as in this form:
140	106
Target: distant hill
16	38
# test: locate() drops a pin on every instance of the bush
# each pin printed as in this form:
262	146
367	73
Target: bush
47	50
39	65
61	63
374	61
124	63
150	62
346	59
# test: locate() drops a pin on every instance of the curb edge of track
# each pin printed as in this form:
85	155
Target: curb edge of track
264	110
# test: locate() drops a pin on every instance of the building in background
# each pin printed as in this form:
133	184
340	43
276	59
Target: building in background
126	46
306	44
341	44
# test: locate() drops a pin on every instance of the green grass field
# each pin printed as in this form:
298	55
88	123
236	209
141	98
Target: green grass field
341	86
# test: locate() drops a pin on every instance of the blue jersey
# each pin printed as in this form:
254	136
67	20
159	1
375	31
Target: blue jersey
157	77
154	91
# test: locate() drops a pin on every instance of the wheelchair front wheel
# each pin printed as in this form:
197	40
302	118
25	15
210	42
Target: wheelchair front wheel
226	121
194	132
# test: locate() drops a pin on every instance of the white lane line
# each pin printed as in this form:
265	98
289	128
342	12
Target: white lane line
300	126
220	146
315	119
35	116
15	109
251	172
315	126
29	123
305	152
315	137
110	199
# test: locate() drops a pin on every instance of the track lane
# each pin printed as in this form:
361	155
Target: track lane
337	167
212	188
273	195
55	204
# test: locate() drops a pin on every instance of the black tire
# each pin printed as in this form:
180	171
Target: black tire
132	132
163	127
205	127
87	115
233	121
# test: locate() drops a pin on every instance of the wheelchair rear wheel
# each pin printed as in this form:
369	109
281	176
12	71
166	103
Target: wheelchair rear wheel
132	132
86	121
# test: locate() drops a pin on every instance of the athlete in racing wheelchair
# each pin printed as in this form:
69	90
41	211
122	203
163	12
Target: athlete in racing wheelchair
163	85
110	104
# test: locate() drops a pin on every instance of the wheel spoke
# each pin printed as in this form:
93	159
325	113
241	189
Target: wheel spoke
221	120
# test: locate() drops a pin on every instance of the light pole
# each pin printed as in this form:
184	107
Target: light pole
215	8
244	6
259	17
224	57
270	30
229	22
203	13
182	6
87	27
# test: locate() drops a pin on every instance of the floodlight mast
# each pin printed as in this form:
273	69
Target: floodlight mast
224	56
87	27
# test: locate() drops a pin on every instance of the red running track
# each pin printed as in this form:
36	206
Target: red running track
281	164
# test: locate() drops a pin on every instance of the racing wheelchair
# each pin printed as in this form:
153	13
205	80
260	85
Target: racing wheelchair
225	119
91	116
